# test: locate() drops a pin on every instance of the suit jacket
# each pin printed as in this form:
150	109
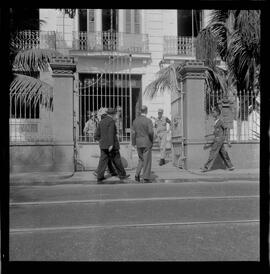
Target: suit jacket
219	131
142	132
106	133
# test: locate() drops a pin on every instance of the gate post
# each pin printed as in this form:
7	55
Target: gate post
193	78
63	68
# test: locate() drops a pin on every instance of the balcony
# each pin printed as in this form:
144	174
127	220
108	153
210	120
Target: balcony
177	48
81	43
107	41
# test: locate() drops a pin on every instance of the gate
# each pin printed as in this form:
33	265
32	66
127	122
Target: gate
110	87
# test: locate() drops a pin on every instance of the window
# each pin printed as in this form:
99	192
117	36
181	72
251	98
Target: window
189	22
132	21
87	20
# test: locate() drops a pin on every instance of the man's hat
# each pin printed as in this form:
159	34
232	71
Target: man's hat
160	110
111	111
102	111
143	108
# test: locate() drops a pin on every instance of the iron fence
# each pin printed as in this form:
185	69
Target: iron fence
244	109
29	120
182	45
108	89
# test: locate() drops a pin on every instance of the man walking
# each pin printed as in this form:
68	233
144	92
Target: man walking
217	147
109	146
142	138
161	131
102	113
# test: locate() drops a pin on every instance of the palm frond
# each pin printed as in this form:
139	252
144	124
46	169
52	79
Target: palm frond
206	47
167	78
34	59
70	12
30	89
219	16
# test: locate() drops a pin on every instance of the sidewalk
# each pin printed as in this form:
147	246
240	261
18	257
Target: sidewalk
163	174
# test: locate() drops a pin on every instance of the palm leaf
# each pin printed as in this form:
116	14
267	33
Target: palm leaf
34	59
30	89
167	78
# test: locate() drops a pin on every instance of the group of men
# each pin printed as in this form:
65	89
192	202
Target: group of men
143	136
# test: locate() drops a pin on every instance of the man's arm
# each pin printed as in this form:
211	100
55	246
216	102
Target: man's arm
133	135
150	131
111	133
86	127
97	133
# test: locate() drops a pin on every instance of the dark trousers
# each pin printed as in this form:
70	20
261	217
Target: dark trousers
218	148
114	157
111	168
145	162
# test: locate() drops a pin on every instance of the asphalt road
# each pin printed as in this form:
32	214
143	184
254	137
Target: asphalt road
205	221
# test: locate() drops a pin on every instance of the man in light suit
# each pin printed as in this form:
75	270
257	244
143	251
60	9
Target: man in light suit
217	147
142	138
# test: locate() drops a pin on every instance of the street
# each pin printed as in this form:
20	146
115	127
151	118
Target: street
193	221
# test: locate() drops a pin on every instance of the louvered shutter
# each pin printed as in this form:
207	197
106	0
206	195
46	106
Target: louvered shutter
137	21
91	20
128	21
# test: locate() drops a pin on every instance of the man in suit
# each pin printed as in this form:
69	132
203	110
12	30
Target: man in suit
109	146
217	147
102	113
142	138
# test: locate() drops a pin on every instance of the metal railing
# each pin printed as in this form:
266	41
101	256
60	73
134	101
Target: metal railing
29	122
84	41
111	41
108	89
34	39
183	46
244	111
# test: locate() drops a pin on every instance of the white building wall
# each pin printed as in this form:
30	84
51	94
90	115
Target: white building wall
157	23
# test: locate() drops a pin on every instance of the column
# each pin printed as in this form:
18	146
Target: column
194	114
63	80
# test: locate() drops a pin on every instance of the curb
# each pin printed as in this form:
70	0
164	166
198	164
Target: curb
62	181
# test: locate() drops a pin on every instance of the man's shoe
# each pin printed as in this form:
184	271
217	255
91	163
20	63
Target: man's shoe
113	174
137	178
145	181
95	174
100	180
162	162
203	169
124	177
231	168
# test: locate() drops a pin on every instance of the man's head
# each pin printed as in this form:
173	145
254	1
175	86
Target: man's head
160	112
111	112
144	109
216	112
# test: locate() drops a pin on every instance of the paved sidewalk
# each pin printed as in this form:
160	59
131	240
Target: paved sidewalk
163	174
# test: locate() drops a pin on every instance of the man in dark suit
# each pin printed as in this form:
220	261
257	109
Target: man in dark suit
111	170
109	147
217	147
142	138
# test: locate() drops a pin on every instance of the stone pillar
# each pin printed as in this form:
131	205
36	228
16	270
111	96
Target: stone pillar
193	113
63	81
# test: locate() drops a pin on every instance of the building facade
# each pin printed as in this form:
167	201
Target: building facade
117	54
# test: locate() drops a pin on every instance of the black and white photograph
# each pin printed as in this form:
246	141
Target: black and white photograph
134	135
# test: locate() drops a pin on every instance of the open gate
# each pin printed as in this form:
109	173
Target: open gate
111	87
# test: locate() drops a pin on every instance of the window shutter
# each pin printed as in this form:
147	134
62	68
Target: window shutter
91	20
137	21
128	21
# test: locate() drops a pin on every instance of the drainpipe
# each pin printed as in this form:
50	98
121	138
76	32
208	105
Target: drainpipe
192	25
